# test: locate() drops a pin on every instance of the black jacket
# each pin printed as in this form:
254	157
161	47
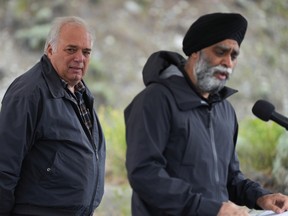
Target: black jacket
181	157
48	159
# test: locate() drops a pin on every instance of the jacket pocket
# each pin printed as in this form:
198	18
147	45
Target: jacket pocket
66	171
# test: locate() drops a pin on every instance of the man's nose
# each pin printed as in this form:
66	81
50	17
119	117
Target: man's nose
227	62
79	56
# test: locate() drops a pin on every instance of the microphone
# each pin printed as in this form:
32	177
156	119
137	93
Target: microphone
266	111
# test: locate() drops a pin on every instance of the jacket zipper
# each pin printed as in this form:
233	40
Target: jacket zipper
96	187
97	159
95	148
214	152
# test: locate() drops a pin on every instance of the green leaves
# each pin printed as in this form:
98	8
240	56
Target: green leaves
257	143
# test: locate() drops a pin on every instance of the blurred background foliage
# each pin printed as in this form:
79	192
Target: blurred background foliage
257	144
127	32
113	127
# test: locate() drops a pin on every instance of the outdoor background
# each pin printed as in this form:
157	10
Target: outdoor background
127	32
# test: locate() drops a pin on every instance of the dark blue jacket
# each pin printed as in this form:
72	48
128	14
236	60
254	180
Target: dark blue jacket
181	157
48	159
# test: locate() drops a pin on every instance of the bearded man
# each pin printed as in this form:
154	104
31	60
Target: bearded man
181	131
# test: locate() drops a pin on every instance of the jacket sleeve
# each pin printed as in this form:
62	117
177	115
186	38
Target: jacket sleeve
148	120
17	121
242	190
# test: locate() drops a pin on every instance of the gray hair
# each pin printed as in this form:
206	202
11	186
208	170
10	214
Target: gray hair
58	23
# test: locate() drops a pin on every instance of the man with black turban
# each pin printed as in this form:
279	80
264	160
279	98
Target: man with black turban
181	131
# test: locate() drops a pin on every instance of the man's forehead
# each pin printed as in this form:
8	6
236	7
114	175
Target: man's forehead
80	41
77	47
228	44
74	34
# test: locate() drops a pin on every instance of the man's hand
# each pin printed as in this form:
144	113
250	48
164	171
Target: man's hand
229	208
275	202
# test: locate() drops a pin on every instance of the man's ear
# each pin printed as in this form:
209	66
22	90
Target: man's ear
195	55
49	50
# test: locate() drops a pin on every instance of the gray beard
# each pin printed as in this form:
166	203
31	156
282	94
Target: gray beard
206	81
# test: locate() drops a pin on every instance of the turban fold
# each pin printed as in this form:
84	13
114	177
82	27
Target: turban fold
213	28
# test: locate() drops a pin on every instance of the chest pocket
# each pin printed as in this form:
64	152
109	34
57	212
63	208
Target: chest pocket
188	138
198	146
195	133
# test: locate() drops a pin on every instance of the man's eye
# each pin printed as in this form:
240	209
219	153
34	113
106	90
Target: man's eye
86	53
233	57
71	50
220	52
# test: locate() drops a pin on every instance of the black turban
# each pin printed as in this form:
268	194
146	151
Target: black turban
213	28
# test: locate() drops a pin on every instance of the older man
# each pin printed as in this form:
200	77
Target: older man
181	131
52	146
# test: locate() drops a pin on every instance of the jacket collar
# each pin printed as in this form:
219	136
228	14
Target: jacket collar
167	68
187	98
52	79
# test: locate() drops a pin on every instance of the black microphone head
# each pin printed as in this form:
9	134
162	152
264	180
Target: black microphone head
263	110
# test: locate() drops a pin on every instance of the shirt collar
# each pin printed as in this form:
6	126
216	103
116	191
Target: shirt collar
79	87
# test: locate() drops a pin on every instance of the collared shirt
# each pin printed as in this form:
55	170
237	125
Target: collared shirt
77	97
